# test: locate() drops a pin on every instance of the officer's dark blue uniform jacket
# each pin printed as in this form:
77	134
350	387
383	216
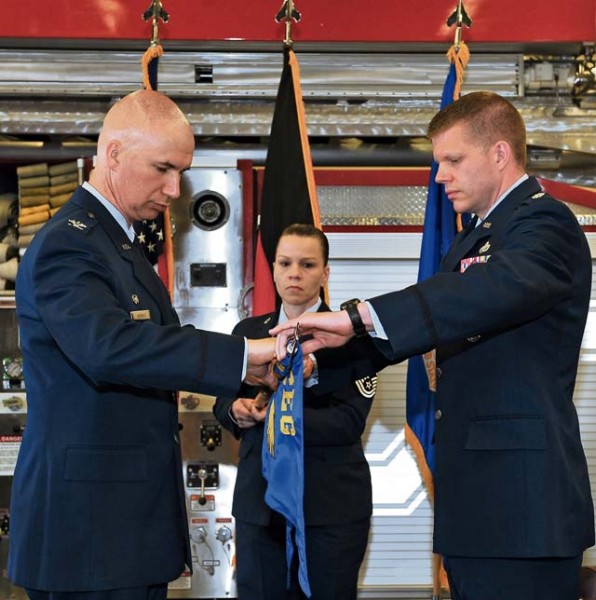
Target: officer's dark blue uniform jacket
511	478
98	500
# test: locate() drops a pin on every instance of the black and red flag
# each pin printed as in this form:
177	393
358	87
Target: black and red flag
289	194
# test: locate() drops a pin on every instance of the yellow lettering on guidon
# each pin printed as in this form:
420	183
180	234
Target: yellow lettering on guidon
286	422
287	400
286	425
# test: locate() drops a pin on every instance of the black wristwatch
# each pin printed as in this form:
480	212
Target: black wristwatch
351	306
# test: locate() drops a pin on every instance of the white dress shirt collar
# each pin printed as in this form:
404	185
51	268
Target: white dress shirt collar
120	219
502	197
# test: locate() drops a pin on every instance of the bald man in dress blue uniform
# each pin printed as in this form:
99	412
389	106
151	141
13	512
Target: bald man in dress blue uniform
98	508
506	315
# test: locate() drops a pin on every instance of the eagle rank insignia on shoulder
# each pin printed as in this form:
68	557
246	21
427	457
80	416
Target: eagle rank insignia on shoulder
77	224
367	386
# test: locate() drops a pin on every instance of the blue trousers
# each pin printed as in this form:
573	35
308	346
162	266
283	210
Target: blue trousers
334	554
513	578
151	592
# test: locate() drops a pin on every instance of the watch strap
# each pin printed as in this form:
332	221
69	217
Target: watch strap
351	307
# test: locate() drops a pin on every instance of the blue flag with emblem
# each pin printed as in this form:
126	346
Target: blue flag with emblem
440	228
283	458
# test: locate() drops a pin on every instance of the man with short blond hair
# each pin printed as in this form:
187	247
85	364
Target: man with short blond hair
506	314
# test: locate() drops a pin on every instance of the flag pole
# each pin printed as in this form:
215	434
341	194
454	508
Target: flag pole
288	193
458	55
288	196
155	12
288	13
459	17
149	62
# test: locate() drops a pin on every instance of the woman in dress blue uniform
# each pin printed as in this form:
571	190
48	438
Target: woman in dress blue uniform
338	393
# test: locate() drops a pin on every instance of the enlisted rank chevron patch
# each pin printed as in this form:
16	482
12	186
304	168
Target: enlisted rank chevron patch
367	386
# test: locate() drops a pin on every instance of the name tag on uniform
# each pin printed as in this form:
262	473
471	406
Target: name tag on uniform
140	315
466	262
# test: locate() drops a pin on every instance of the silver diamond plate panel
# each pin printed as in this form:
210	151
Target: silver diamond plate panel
372	205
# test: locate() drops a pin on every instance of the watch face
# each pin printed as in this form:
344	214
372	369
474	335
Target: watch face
13	368
344	305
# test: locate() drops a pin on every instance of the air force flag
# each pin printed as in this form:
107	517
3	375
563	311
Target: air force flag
283	458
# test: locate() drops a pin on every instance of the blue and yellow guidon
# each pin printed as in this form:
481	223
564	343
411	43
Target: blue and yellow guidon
283	399
283	457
